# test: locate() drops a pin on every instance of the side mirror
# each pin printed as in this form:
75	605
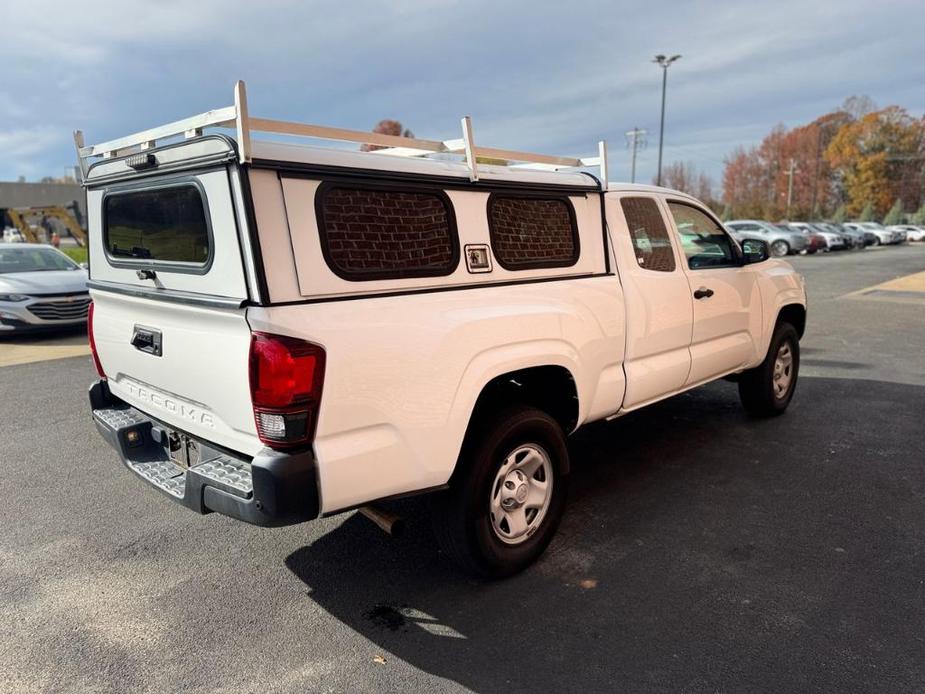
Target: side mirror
85	266
755	251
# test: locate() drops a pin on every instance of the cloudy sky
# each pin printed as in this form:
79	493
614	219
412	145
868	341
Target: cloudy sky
551	77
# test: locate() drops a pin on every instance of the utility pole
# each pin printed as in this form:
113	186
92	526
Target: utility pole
821	127
635	139
790	172
664	63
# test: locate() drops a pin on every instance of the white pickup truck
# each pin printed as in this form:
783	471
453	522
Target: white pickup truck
283	331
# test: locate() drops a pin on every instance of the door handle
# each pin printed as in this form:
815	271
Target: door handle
703	293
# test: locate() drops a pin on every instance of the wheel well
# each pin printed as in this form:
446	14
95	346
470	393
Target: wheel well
547	388
795	315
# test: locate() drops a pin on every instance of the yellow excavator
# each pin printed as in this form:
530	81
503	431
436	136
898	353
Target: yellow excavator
37	222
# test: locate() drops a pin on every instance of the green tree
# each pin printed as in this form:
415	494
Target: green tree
896	214
840	215
867	214
919	216
727	212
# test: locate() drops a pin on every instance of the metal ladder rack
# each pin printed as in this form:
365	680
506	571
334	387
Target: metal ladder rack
237	117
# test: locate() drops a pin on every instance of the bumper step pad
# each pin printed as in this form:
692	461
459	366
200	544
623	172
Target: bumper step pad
150	460
271	489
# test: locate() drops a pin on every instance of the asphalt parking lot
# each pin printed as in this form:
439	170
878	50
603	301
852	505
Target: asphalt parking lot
701	551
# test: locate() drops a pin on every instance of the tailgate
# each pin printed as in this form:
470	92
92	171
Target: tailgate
167	277
198	382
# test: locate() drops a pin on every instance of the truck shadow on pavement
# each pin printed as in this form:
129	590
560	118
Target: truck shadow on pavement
700	550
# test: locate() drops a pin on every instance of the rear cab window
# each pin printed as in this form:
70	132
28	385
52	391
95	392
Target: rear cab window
167	225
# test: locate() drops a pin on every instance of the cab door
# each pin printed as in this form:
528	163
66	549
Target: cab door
726	300
659	307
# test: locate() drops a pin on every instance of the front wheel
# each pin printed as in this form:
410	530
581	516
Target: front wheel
507	496
766	390
780	248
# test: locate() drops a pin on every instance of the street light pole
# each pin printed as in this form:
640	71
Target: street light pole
664	63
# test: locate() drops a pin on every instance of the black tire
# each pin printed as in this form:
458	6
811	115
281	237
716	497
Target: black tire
876	241
778	245
757	386
461	514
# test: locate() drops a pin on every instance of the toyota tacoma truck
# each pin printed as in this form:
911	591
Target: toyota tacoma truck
285	331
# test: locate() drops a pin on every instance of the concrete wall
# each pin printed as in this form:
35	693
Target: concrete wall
14	194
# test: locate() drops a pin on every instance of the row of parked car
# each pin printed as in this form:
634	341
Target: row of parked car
786	238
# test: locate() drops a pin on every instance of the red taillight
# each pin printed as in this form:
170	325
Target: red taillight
286	375
96	357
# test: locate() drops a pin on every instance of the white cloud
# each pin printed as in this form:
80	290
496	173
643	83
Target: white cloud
544	76
21	149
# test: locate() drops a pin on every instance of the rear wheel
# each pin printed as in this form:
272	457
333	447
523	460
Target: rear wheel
780	248
507	496
766	390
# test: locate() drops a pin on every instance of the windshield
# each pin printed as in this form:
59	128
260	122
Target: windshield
18	259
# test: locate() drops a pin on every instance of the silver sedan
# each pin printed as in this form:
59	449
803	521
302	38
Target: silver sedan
40	287
779	241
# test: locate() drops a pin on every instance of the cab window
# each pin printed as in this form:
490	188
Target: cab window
648	233
704	241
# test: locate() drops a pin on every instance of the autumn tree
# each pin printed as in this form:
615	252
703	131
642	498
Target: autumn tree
878	159
685	177
757	181
745	184
849	157
858	106
387	127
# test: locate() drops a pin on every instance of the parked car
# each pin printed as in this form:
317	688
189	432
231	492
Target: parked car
879	236
912	232
373	347
833	241
40	288
882	235
862	238
815	241
852	239
781	242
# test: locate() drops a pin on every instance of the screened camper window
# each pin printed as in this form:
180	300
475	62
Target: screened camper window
372	233
532	232
166	224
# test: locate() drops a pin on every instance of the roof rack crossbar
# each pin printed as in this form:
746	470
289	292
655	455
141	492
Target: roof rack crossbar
238	118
